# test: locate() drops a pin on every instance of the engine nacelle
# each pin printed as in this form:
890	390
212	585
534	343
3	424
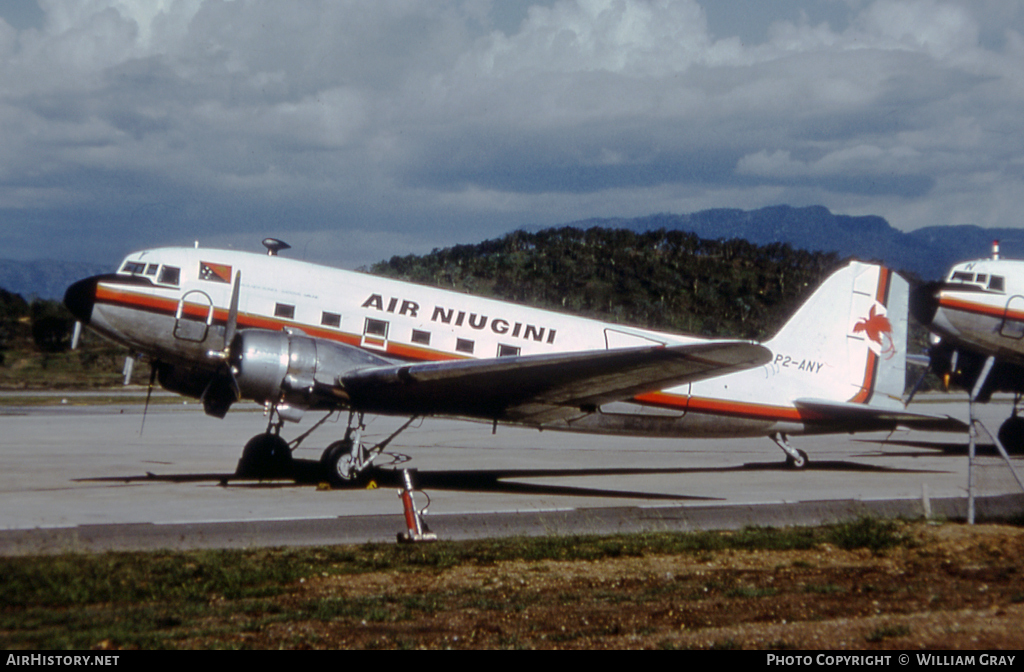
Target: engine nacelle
183	380
297	370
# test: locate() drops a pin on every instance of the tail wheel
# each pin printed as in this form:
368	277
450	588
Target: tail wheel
797	462
265	456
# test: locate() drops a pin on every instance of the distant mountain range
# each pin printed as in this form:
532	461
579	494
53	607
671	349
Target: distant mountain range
45	279
926	252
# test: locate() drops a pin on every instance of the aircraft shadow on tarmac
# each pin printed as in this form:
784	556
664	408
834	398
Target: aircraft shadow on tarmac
502	481
929	448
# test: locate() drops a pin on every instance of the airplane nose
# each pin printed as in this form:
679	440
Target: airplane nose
80	298
924	302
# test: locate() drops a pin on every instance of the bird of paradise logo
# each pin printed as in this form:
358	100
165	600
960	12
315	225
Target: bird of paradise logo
877	327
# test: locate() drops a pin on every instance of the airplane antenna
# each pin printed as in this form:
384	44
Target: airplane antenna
995	250
274	246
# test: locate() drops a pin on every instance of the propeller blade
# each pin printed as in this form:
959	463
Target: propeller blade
232	326
149	393
129	367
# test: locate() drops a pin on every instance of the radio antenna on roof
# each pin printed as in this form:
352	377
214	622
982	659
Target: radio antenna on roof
274	246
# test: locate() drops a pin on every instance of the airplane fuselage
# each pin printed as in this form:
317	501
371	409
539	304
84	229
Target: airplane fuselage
980	306
171	304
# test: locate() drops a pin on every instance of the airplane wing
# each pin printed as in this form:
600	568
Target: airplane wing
541	388
861	416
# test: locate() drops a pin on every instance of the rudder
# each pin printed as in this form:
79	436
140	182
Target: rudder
855	326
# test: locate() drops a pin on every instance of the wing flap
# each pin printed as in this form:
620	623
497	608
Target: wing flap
860	416
541	388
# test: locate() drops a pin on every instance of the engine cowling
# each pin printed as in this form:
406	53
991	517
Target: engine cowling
293	369
183	380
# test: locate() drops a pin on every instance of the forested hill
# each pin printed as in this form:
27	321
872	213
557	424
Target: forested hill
668	280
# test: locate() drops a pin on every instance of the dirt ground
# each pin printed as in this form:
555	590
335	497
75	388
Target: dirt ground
953	587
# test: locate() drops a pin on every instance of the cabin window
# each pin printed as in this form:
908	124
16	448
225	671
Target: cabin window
133	267
376	328
284	310
995	283
981	278
169	275
421	337
464	345
330	320
508	350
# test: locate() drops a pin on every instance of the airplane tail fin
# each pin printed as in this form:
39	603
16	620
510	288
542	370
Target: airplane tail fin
848	342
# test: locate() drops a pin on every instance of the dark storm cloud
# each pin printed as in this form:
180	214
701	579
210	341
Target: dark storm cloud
369	129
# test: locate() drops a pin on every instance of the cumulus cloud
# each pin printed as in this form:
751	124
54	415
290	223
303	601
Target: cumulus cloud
136	122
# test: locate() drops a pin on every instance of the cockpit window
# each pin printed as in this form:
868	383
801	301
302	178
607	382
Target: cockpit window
133	267
169	275
993	283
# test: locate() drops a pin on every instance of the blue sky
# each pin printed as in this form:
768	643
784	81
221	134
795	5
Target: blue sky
356	130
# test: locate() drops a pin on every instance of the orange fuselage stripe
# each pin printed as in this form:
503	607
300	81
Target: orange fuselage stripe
668	400
979	308
200	312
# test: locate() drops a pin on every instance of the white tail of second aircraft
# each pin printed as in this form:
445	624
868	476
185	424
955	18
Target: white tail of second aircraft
848	342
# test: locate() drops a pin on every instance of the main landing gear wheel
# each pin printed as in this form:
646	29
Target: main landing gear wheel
339	465
1011	435
265	456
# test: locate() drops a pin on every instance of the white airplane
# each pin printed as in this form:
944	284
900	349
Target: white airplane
224	325
976	316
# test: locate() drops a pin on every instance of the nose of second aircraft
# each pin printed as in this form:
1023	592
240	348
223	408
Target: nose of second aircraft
80	298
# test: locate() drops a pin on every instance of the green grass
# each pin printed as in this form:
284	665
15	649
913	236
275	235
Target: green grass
169	599
866	532
888	632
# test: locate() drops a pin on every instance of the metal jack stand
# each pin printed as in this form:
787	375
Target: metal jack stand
417	529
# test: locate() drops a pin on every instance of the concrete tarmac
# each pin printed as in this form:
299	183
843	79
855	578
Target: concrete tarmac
81	477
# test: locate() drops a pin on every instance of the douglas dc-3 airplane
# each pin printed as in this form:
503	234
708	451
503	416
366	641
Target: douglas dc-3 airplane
224	325
976	316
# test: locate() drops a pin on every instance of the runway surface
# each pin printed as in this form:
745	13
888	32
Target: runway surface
77	476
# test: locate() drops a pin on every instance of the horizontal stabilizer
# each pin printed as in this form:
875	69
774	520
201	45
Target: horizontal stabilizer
542	388
923	361
861	417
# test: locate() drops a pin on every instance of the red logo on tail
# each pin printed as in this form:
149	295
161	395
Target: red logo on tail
878	329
